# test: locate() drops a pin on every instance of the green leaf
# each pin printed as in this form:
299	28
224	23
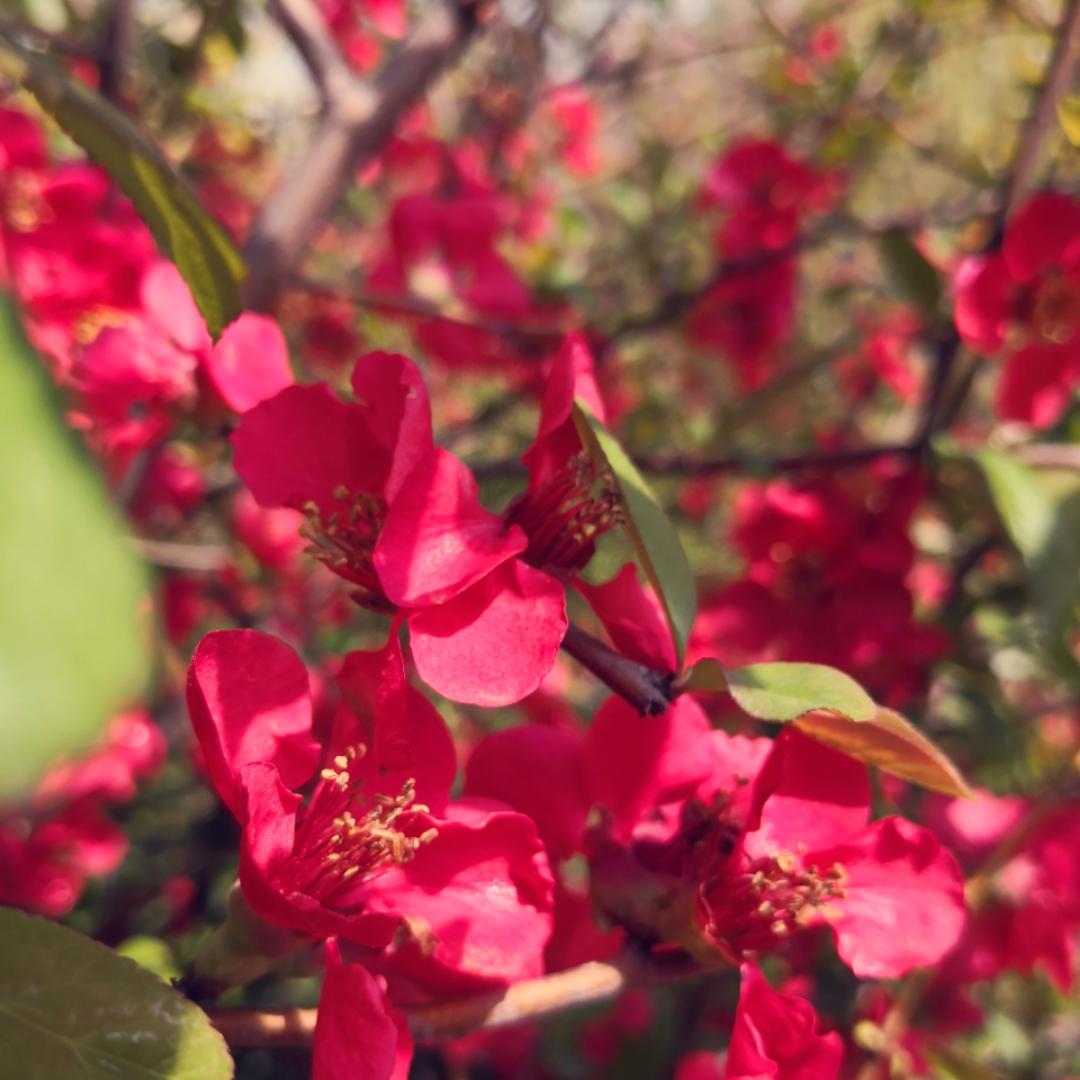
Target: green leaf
916	278
200	247
655	541
72	645
1040	510
786	691
832	708
71	1008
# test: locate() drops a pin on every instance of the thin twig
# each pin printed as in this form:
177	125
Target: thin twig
357	121
529	1000
649	691
1042	118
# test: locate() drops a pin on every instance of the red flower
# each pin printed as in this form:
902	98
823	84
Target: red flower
1024	301
374	855
775	1035
888	891
401	521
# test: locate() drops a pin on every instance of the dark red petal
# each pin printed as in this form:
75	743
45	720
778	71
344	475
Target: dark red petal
1040	233
637	762
504	766
250	701
391	392
303	443
438	540
494	643
904	902
984	301
572	376
633	617
250	362
775	1035
409	737
806	796
358	1035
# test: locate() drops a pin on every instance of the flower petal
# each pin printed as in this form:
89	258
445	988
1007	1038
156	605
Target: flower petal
250	362
494	643
504	766
904	902
775	1035
358	1035
301	444
390	390
250	701
438	540
806	796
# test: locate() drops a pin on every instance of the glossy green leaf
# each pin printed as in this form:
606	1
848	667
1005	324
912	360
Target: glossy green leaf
71	1008
915	277
655	541
72	645
200	247
1040	510
785	691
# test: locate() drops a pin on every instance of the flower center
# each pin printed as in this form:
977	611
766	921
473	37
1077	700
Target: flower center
1056	314
752	908
343	835
564	516
344	538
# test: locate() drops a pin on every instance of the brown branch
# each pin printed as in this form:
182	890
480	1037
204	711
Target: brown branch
531	999
1042	117
307	30
649	691
358	119
117	42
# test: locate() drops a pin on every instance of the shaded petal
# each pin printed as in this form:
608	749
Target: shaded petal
775	1035
504	766
358	1035
806	796
904	902
409	736
250	362
438	540
250	701
303	443
494	643
391	393
635	763
633	617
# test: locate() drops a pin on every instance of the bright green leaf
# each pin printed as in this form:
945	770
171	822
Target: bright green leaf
200	247
785	691
72	647
655	541
914	276
71	1008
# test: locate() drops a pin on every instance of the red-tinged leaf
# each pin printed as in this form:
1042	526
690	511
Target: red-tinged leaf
655	541
890	742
